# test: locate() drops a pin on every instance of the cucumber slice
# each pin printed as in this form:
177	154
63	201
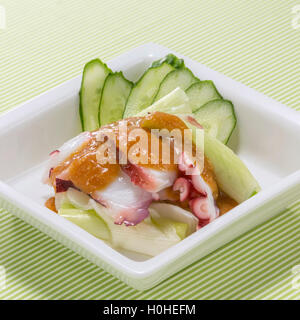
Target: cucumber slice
181	77
176	102
232	175
143	92
94	74
170	59
201	92
115	93
218	119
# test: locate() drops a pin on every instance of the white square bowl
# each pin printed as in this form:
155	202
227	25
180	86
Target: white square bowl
267	139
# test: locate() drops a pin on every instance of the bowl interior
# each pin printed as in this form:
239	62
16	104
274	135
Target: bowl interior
266	141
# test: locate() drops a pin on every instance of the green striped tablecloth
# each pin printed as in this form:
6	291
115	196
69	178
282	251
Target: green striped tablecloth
45	43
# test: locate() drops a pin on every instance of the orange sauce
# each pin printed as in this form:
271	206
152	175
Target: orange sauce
208	176
50	204
145	156
89	175
171	195
161	120
225	203
84	170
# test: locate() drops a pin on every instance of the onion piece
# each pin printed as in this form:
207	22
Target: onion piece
175	213
60	198
79	199
63	185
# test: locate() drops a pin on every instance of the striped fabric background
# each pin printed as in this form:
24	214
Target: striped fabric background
46	43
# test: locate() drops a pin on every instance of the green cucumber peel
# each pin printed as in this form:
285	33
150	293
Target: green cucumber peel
115	93
170	59
93	78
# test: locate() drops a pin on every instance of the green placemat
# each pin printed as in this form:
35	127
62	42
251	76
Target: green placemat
45	43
